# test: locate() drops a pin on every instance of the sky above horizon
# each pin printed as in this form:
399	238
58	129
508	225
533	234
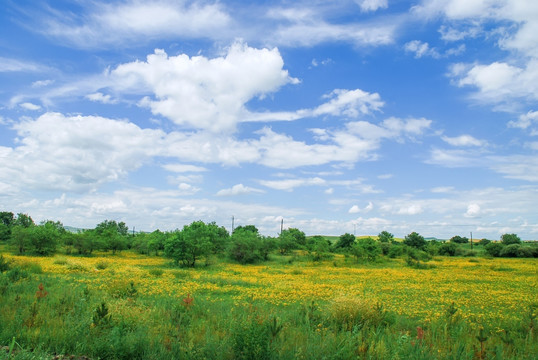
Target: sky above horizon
337	116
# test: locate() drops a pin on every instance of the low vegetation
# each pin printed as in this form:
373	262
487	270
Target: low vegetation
201	293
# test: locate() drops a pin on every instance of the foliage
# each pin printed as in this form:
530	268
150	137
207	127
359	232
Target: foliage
367	249
298	236
508	239
318	247
484	242
7	220
245	247
415	240
345	241
190	244
448	249
459	240
494	249
385	237
287	242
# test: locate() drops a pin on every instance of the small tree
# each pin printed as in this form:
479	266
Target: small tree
189	245
385	237
509	239
415	240
494	249
345	241
459	240
366	248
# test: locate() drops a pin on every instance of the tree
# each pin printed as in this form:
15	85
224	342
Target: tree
156	241
459	240
366	248
188	245
245	247
45	237
298	236
345	241
318	246
509	239
385	237
20	238
251	228
220	236
415	240
24	220
287	242
112	235
7	220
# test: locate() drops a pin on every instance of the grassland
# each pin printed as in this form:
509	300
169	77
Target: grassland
287	308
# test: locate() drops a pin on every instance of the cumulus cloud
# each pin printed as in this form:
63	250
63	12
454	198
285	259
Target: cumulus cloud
525	120
473	210
204	93
183	168
75	153
238	189
354	209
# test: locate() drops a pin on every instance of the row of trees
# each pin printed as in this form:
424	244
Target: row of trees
245	245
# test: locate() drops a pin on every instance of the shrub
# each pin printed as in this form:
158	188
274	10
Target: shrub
448	249
525	252
459	240
510	250
484	242
354	313
101	265
395	251
16	274
494	249
156	272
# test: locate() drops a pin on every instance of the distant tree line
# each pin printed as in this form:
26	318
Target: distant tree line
201	241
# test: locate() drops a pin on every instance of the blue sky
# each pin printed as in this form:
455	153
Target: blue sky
337	116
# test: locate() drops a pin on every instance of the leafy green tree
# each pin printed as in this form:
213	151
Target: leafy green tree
251	228
7	220
298	236
511	250
367	249
267	245
112	235
345	241
318	247
385	237
509	239
20	238
220	237
484	242
287	242
459	240
245	247
156	242
415	240
24	220
190	244
86	242
45	238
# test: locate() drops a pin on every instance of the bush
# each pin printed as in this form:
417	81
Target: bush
484	242
415	240
494	249
510	250
448	249
5	264
525	252
395	251
459	240
251	339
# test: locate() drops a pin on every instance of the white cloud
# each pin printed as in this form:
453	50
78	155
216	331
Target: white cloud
354	209
75	153
42	83
372	5
102	98
204	93
129	22
15	65
183	168
238	189
385	176
421	49
525	120
443	189
463	140
329	191
30	106
290	184
473	210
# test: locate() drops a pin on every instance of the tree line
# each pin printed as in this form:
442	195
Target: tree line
200	241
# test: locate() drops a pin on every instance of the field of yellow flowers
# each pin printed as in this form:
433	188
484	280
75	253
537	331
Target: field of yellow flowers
138	289
483	289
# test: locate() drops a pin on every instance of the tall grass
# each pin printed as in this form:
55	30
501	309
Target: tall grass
230	314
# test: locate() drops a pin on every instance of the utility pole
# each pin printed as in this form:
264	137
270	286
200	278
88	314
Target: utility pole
354	229
233	219
281	225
